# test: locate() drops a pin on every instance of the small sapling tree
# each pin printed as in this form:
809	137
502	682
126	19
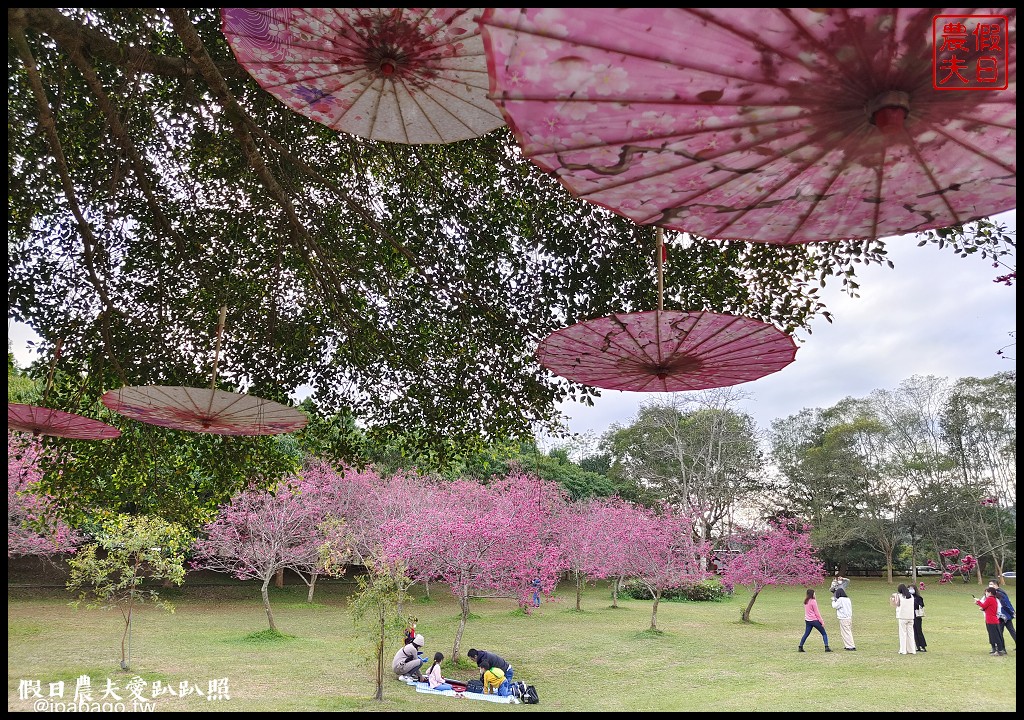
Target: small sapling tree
127	551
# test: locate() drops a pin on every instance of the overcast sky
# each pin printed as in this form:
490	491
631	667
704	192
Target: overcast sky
934	314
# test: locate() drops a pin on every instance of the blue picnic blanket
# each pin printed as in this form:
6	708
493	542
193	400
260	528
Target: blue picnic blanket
422	687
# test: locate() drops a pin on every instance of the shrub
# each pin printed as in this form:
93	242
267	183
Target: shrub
710	590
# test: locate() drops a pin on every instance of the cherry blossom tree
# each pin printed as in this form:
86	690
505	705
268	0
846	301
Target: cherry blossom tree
781	555
476	537
346	493
34	526
538	561
664	553
593	535
260	532
368	502
575	539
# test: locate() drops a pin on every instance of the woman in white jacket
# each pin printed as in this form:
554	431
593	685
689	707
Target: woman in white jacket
903	601
844	613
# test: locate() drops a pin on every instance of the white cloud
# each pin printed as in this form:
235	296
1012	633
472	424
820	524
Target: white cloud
18	337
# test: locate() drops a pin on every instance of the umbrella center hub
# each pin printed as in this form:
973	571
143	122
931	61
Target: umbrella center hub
387	60
888	111
675	366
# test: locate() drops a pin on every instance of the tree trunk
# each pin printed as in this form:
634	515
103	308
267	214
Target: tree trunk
746	611
579	588
312	587
463	617
615	591
426	588
127	629
381	614
279	578
654	611
266	603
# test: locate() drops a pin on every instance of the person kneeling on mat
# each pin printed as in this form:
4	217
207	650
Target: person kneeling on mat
407	661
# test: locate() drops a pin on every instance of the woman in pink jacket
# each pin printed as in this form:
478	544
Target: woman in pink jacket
812	620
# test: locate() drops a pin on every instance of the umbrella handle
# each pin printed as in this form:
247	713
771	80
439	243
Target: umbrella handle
53	364
659	235
216	351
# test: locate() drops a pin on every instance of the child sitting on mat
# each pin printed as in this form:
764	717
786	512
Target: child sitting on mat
434	679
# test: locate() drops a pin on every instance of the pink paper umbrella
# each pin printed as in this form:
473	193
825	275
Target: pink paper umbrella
45	421
407	75
777	125
666	351
204	410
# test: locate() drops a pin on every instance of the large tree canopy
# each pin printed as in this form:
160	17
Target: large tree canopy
151	181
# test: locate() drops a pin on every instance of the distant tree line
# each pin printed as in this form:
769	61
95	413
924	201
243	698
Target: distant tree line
886	482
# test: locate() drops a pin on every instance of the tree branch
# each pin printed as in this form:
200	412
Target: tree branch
49	127
210	73
94	44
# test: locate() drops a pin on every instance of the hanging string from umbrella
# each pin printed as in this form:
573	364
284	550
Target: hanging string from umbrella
216	354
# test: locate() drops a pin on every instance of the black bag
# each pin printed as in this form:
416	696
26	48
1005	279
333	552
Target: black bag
530	695
475	686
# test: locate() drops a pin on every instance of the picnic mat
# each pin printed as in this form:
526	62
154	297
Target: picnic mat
425	688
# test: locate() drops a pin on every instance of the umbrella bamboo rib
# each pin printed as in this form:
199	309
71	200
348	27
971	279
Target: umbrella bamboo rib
800	143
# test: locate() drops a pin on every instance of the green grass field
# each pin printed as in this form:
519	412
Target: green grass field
598	659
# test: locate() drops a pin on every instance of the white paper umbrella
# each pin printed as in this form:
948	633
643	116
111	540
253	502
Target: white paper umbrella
407	75
204	410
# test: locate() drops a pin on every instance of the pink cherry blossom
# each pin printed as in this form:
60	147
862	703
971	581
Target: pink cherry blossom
34	526
781	555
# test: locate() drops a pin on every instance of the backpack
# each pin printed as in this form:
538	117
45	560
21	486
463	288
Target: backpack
526	694
530	695
475	686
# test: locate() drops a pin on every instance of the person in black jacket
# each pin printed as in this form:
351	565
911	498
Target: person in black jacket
487	660
1006	612
922	644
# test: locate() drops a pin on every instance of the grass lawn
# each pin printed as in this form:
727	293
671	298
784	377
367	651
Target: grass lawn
597	659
